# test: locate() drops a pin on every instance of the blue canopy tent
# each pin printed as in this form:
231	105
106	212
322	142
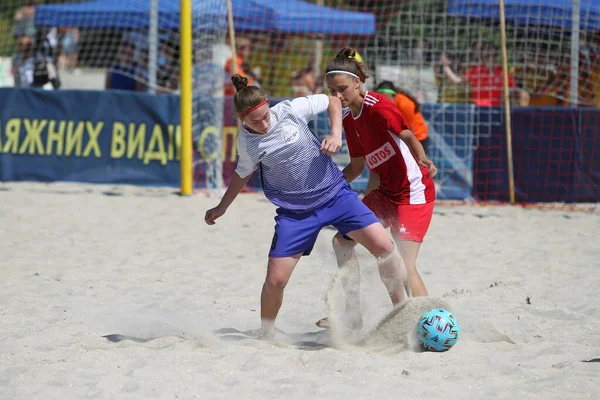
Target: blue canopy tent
284	16
557	13
289	16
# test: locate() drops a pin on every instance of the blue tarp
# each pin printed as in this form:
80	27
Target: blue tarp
556	13
291	16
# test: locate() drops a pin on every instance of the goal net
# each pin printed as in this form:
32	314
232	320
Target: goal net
131	45
446	54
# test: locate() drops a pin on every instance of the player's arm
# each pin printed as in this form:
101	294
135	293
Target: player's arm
417	149
373	182
243	172
394	122
332	143
235	187
354	169
309	107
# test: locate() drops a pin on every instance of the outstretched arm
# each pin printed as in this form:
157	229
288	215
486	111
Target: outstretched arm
236	186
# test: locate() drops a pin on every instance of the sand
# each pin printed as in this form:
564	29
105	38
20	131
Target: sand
119	292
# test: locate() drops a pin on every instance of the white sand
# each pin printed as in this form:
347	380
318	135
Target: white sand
77	264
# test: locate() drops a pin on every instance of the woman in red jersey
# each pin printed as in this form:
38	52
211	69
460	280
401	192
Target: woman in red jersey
378	136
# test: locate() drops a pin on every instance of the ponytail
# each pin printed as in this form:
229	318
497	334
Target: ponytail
247	98
348	61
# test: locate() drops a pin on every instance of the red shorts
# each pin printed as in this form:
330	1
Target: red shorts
406	221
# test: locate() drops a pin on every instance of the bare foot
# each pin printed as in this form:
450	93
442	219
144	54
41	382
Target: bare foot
354	323
267	331
323	323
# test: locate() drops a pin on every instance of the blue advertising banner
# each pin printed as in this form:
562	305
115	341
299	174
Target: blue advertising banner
88	136
134	138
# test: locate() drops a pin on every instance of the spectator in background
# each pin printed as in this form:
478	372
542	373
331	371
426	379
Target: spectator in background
122	74
519	97
556	91
532	70
421	53
22	62
409	107
33	65
595	62
448	91
44	65
485	78
304	82
243	69
68	39
24	21
167	72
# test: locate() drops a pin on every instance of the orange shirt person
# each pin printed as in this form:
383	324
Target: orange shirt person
242	54
409	108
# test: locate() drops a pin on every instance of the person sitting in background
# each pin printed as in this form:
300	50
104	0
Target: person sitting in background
304	82
556	91
519	98
69	48
448	91
24	21
122	74
33	67
243	69
167	74
44	67
485	78
22	62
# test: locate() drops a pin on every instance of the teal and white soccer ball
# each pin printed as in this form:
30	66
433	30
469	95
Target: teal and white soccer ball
438	330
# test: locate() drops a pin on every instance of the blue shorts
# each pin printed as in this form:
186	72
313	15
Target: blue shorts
297	232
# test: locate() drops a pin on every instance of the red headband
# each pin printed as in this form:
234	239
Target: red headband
255	107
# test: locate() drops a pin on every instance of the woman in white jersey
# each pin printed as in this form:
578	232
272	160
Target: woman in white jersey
378	136
299	176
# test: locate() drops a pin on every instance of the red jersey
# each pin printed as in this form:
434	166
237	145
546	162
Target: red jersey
374	135
487	85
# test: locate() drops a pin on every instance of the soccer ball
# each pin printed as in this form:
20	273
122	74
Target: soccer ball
438	330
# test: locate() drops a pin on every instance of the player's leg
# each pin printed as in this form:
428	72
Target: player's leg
409	230
409	250
372	183
279	271
346	258
357	221
376	239
295	235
